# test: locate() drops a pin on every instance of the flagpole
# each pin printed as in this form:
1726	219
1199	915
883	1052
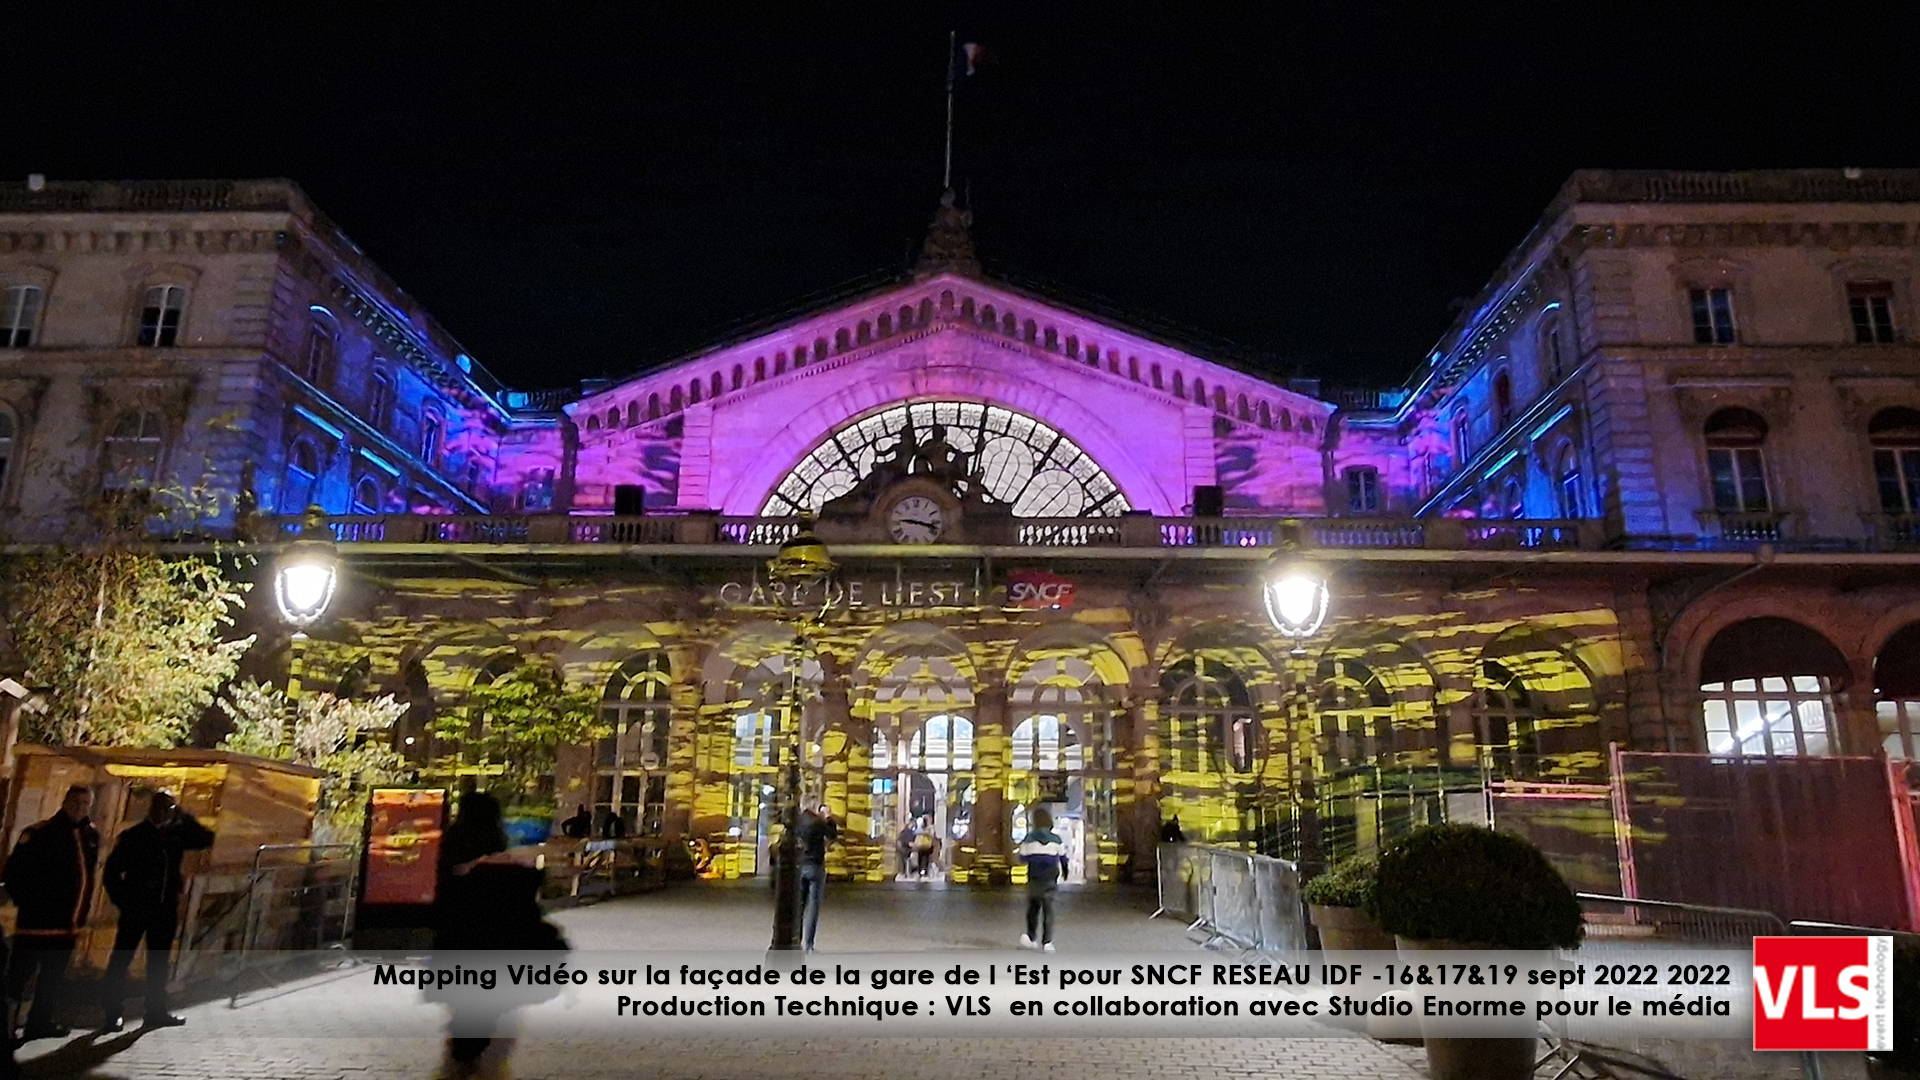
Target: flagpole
946	176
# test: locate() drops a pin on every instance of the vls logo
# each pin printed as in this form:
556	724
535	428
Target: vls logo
1823	993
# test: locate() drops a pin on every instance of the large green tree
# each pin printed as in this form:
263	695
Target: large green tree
133	644
514	727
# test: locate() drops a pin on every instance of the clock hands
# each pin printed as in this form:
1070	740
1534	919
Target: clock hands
922	524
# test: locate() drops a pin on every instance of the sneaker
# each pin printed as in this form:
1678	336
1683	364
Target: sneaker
164	1020
45	1031
112	1025
1026	942
1048	947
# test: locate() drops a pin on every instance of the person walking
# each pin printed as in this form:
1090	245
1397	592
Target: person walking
1045	858
50	876
905	843
817	830
143	881
923	843
486	900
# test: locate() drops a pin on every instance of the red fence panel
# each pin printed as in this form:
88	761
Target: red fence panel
1806	838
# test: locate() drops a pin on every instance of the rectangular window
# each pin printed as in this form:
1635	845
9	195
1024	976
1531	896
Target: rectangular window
380	400
1871	304
1898	472
1556	360
18	317
1363	490
1712	316
1739	479
160	316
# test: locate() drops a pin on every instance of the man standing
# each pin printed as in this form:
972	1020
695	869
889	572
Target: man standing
1045	856
816	832
143	881
50	877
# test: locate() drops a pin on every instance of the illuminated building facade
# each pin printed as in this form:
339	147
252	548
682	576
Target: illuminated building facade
1658	487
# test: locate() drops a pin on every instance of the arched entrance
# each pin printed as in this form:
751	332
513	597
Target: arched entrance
922	763
1767	688
1060	755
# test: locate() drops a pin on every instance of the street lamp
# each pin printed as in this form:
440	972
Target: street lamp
1297	597
803	561
308	570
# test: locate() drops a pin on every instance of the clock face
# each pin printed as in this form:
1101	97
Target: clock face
916	519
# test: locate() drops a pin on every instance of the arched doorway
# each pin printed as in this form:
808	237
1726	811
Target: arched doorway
1767	687
922	764
1896	693
1060	755
762	704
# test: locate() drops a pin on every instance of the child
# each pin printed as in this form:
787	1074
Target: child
1045	856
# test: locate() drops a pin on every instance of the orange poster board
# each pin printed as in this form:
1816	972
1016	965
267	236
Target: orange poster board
403	845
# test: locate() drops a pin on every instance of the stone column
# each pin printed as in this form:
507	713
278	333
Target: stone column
1143	717
1136	806
1857	724
844	791
991	844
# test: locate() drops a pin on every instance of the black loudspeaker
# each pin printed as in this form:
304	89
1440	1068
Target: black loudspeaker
629	500
1208	501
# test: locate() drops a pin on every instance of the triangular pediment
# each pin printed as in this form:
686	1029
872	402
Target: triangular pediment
1031	332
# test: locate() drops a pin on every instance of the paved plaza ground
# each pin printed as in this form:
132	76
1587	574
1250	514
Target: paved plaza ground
248	1037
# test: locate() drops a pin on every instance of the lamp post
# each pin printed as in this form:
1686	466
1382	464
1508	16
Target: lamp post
306	574
1297	596
803	562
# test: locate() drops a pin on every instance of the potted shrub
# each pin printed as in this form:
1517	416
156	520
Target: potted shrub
1468	887
1337	901
1903	1061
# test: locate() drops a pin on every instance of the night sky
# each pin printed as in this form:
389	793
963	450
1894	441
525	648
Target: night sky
578	190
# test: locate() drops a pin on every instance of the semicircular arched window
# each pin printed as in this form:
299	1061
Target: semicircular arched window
1015	461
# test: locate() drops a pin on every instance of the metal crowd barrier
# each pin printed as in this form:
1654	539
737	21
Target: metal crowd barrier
300	899
1691	924
1247	901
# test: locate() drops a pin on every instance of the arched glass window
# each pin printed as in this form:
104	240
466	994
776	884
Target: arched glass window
1735	462
1507	720
1767	690
676	400
160	312
1046	744
1566	480
19	316
1552	351
630	778
740	373
317	367
132	452
944	742
1207	719
753	738
1896	692
1895	434
303	469
1020	462
653	406
633	412
1356	717
1503	399
613	418
366	496
380	400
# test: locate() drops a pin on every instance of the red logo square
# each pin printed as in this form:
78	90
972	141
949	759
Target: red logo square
1823	993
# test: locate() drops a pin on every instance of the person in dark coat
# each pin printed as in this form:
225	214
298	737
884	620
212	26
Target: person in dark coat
579	826
50	876
143	881
817	830
487	901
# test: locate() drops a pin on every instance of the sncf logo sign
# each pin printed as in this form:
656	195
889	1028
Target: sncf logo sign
1038	589
1823	993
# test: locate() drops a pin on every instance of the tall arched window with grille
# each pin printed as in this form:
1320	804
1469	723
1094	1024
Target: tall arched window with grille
1896	692
1767	686
1507	719
1356	717
1207	718
630	764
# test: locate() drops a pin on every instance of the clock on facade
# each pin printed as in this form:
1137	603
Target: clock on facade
916	519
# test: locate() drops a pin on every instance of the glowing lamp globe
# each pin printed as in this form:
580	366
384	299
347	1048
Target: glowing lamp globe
803	559
308	571
1297	598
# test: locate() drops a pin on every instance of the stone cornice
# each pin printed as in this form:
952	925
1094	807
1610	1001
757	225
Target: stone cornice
139	241
1736	234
